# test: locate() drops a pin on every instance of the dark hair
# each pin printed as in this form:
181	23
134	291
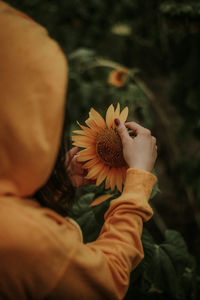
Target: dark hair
58	192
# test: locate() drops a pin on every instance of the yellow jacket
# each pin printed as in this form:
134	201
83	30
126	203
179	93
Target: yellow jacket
42	255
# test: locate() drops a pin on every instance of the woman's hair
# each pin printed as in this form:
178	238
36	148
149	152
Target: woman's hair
58	192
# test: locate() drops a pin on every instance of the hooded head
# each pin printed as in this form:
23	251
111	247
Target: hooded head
33	78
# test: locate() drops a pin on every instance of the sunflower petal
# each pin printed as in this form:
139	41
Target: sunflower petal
82	126
89	150
80	132
124	169
117	111
107	183
85	157
91	123
102	175
82	138
98	119
116	114
113	178
101	199
92	173
77	144
91	163
110	116
119	178
124	114
86	154
87	129
82	141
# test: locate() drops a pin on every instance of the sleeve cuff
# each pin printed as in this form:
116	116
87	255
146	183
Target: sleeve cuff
137	177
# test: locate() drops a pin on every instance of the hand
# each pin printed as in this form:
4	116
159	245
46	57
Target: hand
141	151
74	168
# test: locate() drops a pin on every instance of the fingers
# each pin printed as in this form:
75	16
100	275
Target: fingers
137	129
121	129
154	140
75	167
70	154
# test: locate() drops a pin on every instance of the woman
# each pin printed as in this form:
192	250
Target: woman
42	255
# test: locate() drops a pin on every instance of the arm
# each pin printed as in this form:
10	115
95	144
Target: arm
102	268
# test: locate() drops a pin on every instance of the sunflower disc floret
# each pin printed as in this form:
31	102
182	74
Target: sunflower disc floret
109	148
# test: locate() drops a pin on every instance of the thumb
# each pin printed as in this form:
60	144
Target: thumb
122	130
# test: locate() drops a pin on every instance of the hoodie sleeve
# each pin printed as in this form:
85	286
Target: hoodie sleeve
101	269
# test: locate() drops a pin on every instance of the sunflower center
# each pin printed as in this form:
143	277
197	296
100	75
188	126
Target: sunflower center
109	148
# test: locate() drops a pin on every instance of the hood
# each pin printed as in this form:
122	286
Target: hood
33	78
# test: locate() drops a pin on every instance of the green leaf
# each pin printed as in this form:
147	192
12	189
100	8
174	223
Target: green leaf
163	274
148	246
82	204
175	238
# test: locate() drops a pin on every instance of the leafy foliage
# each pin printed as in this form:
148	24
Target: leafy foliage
167	270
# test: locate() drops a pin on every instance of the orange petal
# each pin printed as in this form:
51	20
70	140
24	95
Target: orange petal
91	163
89	150
92	173
102	175
124	114
85	157
113	178
94	115
91	123
116	114
82	126
77	144
124	169
80	132
86	154
110	180
86	129
110	116
107	183
82	141
117	111
119	178
82	138
101	199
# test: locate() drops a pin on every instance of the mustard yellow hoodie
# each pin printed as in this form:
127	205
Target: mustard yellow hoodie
42	255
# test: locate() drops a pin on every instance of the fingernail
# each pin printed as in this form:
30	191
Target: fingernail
117	122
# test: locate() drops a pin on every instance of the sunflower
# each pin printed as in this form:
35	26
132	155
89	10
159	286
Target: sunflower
103	153
118	77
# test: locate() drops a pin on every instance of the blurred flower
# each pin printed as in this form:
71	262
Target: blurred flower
121	29
118	77
103	153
